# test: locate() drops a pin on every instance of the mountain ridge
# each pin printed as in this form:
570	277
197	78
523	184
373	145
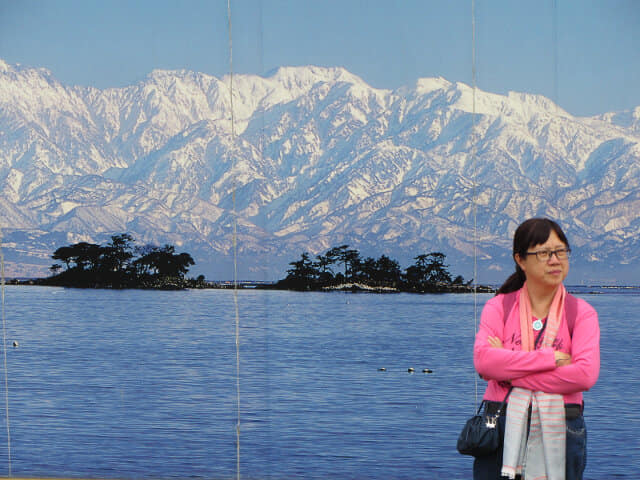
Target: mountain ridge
316	158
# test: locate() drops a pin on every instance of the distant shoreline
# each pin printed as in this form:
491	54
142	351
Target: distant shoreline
346	287
255	285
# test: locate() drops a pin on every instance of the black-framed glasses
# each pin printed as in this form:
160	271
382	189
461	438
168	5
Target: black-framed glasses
545	255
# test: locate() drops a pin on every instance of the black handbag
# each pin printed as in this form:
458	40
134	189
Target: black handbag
481	434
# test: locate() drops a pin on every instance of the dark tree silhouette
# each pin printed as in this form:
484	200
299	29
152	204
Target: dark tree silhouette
302	275
118	253
114	265
84	255
164	262
64	254
428	274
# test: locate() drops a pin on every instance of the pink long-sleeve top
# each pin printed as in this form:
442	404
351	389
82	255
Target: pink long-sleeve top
537	370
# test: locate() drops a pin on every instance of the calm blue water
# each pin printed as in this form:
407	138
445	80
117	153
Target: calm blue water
135	384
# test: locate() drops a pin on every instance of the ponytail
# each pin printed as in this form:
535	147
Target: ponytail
513	283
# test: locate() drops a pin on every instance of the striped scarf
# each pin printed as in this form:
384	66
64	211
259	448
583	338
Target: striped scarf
541	453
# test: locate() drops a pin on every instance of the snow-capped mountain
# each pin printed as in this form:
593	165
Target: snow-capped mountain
307	158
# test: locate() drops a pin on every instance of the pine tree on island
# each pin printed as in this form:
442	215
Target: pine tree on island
344	268
120	264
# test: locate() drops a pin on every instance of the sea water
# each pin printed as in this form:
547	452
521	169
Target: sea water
146	384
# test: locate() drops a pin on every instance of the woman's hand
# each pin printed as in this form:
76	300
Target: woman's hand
562	359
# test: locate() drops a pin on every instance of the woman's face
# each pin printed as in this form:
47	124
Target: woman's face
545	274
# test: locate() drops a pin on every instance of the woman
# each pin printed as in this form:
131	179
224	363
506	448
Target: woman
539	348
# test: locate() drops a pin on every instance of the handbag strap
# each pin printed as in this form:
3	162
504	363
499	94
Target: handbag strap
502	405
504	402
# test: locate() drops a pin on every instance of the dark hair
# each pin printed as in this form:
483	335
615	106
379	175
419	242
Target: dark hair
530	233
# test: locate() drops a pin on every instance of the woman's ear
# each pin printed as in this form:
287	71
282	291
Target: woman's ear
519	261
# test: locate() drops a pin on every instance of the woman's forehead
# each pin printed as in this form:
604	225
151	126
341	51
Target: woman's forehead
552	241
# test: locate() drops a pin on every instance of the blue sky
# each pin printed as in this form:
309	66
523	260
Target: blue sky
585	55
